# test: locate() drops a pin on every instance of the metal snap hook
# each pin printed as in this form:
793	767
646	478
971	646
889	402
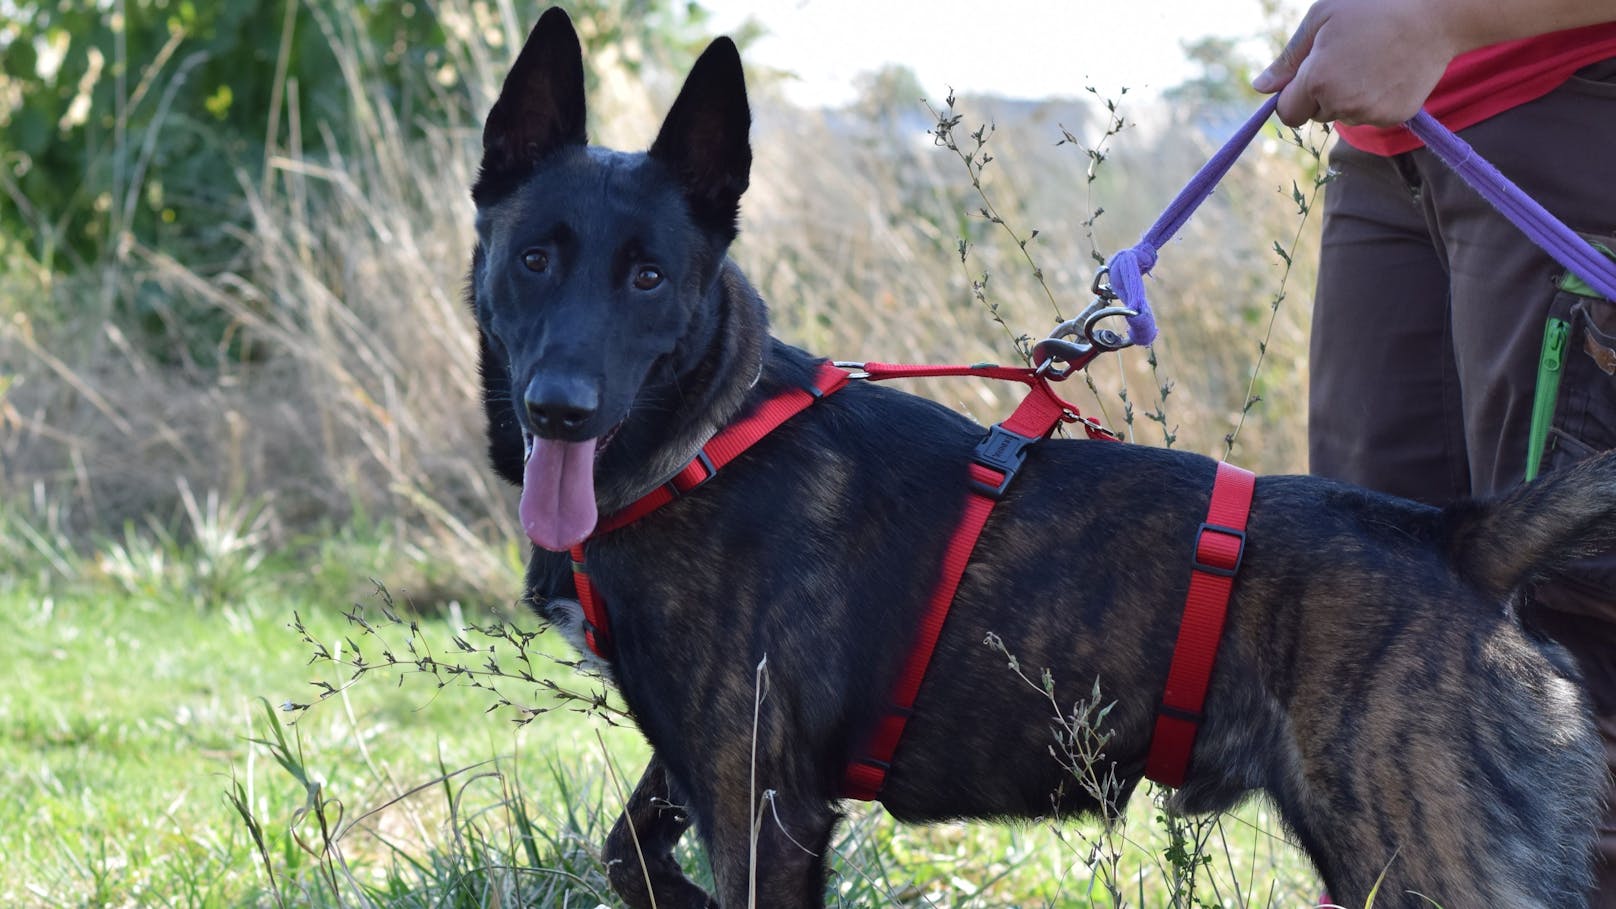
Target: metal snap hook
1053	350
1105	338
1065	345
1100	286
1074	342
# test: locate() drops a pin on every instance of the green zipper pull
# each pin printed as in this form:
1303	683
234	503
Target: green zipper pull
1549	366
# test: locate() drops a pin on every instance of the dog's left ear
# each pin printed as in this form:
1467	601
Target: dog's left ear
704	138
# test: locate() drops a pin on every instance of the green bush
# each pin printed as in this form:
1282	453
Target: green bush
140	123
138	120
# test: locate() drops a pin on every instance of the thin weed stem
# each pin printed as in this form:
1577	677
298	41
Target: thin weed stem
1305	203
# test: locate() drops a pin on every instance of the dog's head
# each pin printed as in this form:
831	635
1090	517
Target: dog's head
593	267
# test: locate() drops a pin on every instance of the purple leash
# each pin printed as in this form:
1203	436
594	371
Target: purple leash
1128	267
1542	228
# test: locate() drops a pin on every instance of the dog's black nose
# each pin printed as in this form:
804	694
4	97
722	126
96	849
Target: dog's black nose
559	405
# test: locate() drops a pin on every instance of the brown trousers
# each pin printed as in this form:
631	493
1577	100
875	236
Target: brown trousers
1428	329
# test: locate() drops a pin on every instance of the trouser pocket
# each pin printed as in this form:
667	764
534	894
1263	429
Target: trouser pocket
1582	325
1596	79
1584	406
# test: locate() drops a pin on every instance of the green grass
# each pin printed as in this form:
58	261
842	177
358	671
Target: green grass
127	714
132	712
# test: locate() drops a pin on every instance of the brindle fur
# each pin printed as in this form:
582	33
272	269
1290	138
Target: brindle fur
1375	681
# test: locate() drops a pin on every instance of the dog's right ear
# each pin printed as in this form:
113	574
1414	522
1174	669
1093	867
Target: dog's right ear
540	107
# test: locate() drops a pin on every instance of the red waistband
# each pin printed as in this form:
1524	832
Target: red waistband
1490	80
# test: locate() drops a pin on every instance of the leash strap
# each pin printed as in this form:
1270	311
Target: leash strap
1035	380
1128	267
722	448
877	372
1542	228
1220	544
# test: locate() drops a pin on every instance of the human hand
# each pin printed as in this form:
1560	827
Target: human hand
1360	61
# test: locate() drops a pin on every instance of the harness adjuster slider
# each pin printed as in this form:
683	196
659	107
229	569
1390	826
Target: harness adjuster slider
1179	713
1003	451
1214	559
594	631
708	472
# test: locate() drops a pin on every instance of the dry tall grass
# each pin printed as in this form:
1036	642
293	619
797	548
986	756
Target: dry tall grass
361	396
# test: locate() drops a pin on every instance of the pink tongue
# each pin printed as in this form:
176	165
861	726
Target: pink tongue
558	493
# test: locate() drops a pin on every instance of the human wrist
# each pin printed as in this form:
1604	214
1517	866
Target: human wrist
1458	26
1464	25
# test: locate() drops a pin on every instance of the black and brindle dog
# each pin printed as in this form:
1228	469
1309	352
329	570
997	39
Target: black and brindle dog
1375	680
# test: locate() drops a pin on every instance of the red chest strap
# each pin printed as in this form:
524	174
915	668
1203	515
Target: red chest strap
993	466
1220	544
722	448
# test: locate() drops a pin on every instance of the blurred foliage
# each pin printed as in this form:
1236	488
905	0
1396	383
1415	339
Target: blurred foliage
225	266
140	120
137	116
1225	71
887	93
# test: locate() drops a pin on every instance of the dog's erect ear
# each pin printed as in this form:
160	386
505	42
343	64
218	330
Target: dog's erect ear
540	107
704	138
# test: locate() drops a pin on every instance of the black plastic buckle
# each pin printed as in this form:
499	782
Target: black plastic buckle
706	465
1239	553
1000	450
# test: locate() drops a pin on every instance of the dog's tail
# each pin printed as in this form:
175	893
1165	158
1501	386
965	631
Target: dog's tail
1536	529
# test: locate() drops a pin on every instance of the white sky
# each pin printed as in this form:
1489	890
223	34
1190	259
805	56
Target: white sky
1016	48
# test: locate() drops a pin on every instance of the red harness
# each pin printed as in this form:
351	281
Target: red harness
1219	546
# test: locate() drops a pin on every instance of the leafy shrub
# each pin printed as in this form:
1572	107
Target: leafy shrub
143	123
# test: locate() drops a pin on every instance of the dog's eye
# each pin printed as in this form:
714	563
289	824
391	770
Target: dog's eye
536	260
648	277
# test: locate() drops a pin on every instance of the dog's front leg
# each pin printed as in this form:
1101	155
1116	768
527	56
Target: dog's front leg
771	853
639	850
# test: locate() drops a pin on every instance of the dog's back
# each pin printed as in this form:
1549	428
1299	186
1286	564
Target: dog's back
1382	691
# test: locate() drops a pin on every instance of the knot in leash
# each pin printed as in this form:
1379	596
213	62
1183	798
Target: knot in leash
1127	269
1075	342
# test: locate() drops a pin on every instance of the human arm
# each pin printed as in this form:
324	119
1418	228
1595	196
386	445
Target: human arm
1376	61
